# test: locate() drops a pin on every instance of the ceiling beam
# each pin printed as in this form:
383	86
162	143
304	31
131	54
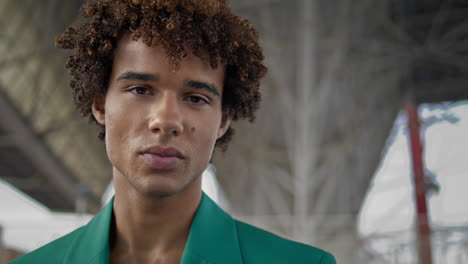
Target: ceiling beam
20	135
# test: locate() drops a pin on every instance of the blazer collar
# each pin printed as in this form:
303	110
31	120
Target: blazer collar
212	239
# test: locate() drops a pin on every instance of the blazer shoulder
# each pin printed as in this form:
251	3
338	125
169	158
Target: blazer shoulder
261	246
52	252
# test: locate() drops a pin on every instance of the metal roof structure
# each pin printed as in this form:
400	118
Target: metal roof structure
46	148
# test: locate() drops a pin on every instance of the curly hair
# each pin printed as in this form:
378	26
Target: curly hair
207	28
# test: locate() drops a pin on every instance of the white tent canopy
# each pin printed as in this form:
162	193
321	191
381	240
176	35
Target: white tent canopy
27	224
387	218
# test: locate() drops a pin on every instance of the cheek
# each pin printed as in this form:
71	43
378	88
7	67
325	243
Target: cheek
118	121
205	136
111	136
112	127
117	129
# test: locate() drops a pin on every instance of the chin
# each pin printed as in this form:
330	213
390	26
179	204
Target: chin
160	193
161	188
157	189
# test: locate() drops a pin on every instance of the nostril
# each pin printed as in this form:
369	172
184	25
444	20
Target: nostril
165	127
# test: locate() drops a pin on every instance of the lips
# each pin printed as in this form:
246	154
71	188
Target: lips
162	158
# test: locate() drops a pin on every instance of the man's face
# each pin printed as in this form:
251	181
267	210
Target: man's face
161	124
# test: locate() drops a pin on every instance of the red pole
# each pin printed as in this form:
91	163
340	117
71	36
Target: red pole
424	232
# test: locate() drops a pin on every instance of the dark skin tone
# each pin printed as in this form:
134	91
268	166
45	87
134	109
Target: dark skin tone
161	128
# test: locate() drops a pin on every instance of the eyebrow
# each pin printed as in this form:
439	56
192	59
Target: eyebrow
203	85
138	76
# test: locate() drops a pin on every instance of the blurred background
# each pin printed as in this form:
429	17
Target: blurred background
356	89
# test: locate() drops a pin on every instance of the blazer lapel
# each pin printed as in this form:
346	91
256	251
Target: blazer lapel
92	246
213	236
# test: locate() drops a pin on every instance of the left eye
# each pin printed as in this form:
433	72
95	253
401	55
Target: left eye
197	100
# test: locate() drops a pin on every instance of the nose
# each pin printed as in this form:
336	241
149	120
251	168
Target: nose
166	116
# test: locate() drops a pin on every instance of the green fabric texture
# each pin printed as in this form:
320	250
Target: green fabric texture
215	238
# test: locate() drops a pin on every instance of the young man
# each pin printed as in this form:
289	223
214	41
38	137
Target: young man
164	80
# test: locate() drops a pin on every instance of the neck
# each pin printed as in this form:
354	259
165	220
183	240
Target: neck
150	226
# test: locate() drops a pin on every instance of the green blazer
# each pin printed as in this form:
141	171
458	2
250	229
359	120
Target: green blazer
215	237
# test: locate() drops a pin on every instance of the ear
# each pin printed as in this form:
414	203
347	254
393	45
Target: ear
225	122
98	109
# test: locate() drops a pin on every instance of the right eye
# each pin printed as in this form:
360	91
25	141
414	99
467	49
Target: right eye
140	90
